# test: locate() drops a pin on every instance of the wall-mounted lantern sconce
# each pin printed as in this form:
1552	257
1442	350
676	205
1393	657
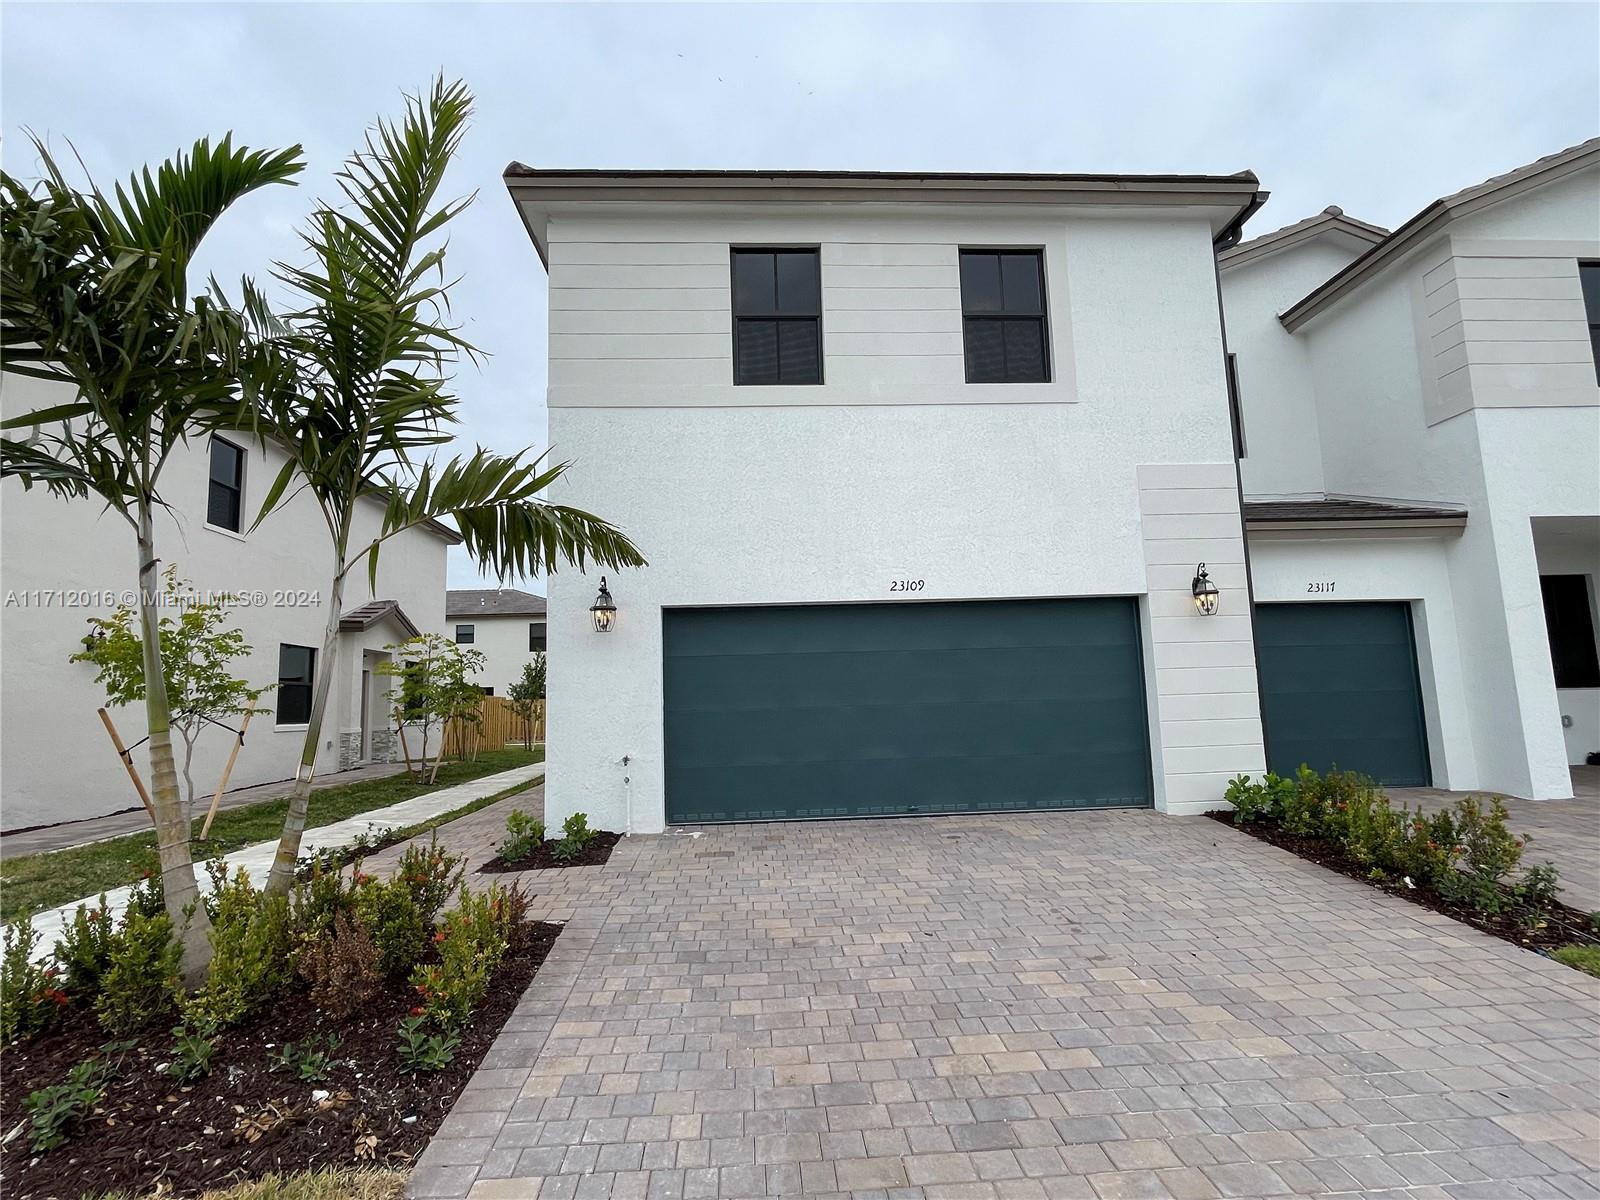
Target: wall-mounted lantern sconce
1205	593
604	609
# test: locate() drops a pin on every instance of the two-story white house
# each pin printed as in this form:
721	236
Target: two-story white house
925	466
505	625
62	562
1421	466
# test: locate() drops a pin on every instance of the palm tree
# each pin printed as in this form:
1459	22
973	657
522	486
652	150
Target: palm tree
353	383
94	294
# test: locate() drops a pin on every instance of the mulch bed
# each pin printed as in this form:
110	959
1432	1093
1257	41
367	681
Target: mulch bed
244	1119
595	853
1563	924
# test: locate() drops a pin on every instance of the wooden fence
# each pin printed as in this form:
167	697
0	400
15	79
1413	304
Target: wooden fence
499	727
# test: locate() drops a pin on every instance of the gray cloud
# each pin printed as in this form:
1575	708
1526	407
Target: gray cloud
1378	108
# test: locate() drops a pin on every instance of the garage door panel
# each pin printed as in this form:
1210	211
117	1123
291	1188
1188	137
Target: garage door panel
1339	688
879	709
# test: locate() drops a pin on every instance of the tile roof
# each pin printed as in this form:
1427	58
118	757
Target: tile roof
1349	510
374	611
492	602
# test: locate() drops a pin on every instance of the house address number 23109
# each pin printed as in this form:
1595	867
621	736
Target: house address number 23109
906	585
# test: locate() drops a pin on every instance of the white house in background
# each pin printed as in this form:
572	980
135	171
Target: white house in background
923	465
505	625
64	562
1421	469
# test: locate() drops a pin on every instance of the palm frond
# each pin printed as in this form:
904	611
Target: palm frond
504	525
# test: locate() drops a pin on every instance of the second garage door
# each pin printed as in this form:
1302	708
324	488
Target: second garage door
889	709
1339	689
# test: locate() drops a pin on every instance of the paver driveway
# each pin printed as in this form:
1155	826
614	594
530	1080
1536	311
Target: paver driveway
1089	1005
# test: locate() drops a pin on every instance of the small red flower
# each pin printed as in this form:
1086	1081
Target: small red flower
440	936
58	996
419	1011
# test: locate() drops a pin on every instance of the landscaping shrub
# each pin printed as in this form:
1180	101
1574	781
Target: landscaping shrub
397	928
575	837
84	950
1583	958
421	1050
30	1000
319	897
341	965
193	1043
250	950
1465	853
55	1110
311	1060
524	836
140	984
471	942
431	875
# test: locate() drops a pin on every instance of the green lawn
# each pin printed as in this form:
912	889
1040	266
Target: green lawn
36	882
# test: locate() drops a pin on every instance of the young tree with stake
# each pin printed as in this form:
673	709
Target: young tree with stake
94	294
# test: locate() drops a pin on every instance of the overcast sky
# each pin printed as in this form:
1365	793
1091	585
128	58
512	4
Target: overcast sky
1377	108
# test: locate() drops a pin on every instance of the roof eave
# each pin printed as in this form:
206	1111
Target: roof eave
1238	195
1430	220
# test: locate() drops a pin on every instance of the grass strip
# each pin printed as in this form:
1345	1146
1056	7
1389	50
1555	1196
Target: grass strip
33	883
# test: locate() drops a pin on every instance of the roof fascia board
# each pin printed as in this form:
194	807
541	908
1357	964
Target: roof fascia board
1270	245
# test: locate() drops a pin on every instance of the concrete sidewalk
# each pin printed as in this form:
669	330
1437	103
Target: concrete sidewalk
257	859
136	820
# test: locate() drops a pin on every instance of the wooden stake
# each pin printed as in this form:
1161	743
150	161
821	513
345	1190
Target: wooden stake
127	761
228	770
400	724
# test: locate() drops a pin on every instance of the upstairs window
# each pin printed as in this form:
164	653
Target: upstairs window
225	496
777	317
466	634
536	636
296	665
1569	621
1589	276
1003	316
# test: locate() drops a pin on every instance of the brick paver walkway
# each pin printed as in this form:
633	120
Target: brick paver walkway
1095	1005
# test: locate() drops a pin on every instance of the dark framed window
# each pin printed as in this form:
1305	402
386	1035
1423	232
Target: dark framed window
777	316
1003	316
488	691
466	635
536	636
296	665
225	496
1235	411
1569	620
1589	277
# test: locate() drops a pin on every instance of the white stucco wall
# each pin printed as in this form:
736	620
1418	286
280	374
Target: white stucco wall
1386	430
894	468
57	762
1277	398
503	641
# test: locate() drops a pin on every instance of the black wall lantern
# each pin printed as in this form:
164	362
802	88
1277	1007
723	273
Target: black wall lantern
604	609
1205	593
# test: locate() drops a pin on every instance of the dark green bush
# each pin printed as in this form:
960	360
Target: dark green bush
54	1111
250	944
575	837
524	836
84	950
430	875
397	928
140	984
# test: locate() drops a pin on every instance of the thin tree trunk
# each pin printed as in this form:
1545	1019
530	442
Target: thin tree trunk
188	777
294	822
190	922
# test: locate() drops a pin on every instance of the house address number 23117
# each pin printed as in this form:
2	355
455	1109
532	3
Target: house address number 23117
1324	585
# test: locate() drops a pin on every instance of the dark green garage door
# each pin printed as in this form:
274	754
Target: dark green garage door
1339	689
883	709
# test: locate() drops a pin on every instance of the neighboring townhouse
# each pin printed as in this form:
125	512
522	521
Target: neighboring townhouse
503	624
1421	466
924	467
65	562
